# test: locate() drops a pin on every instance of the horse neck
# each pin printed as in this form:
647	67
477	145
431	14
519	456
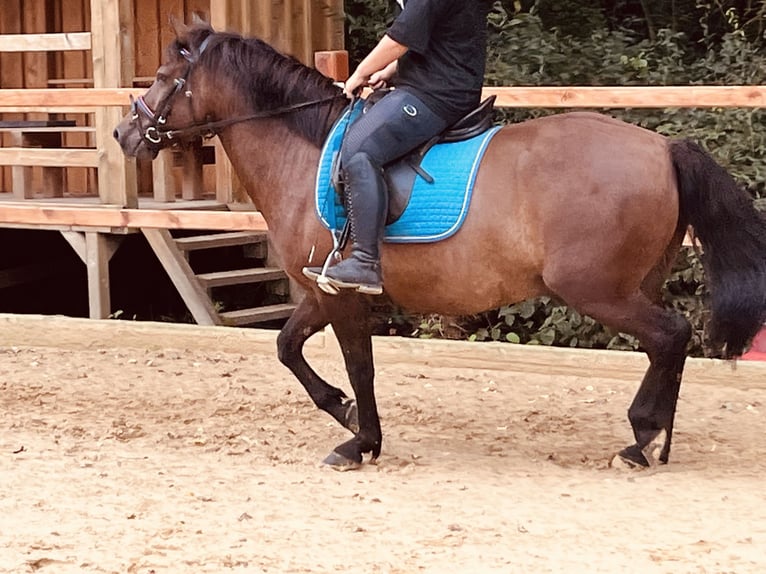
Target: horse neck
276	167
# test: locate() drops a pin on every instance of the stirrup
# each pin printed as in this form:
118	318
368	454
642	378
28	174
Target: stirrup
339	240
358	287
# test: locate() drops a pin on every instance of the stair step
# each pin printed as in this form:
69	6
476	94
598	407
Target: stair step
213	240
240	276
257	314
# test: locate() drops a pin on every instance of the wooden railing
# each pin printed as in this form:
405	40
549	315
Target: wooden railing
84	99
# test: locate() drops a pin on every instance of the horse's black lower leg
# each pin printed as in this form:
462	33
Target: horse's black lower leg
664	335
351	326
307	319
654	406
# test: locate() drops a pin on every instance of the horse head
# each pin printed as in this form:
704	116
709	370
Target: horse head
168	114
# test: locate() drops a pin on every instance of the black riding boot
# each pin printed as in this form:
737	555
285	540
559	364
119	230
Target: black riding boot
367	204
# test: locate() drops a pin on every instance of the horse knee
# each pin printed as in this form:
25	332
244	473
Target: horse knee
287	349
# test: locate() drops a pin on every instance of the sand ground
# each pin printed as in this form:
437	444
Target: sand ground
182	459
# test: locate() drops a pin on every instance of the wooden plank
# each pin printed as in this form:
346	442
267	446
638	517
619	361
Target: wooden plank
165	33
148	50
75	98
191	173
73	67
11	71
240	276
113	217
45	42
25	330
113	68
97	255
80	333
219	14
18	156
258	314
213	241
182	276
543	97
163	182
630	97
35	63
224	175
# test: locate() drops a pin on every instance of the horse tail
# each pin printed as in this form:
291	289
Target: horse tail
733	236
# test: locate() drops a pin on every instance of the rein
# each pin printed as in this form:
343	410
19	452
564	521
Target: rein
207	130
157	137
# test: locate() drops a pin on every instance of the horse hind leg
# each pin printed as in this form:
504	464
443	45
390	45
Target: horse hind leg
663	335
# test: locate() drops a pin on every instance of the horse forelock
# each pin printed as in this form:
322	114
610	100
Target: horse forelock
265	78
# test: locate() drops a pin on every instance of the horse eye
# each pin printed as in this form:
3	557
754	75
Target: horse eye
162	77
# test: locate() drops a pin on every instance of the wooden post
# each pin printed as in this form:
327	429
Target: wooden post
97	261
192	162
163	182
112	39
333	64
95	250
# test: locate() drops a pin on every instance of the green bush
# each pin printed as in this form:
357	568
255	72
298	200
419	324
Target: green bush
532	47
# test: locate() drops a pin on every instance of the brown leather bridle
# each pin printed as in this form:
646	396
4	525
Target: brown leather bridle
157	137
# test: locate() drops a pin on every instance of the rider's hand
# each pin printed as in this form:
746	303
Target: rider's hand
355	83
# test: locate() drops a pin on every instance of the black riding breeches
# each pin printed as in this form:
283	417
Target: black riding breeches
394	126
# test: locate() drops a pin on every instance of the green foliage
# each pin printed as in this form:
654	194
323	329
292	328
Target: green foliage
580	42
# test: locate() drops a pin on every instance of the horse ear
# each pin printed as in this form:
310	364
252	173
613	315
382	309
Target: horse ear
200	19
177	25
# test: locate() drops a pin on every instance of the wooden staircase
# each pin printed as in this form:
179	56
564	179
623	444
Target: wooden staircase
195	288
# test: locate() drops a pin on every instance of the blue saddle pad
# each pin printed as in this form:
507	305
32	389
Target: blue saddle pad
435	210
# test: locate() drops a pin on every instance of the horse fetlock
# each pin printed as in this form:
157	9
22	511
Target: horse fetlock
351	415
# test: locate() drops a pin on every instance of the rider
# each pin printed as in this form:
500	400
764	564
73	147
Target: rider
435	54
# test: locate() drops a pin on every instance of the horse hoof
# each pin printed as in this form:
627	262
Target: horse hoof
341	463
630	458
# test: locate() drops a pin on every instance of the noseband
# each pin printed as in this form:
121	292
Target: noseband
156	137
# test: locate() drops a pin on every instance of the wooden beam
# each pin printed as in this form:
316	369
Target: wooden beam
112	33
68	97
45	42
163	182
97	255
182	276
66	157
543	97
113	217
76	240
630	97
333	64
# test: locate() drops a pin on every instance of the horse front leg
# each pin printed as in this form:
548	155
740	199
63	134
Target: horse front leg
350	321
307	319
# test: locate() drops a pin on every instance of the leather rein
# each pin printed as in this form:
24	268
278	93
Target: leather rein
157	137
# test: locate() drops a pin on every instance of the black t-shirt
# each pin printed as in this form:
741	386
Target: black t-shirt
447	42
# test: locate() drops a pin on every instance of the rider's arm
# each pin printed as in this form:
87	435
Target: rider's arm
387	52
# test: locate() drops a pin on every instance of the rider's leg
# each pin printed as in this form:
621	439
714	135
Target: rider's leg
396	125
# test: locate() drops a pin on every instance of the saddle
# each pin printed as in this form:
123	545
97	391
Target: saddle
400	175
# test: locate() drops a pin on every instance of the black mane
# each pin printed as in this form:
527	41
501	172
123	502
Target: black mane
268	79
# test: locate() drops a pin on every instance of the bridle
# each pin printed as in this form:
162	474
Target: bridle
157	137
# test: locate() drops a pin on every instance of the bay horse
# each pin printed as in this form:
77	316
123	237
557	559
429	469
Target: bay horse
578	206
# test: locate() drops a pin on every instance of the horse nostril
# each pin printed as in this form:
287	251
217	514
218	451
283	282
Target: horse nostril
116	134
